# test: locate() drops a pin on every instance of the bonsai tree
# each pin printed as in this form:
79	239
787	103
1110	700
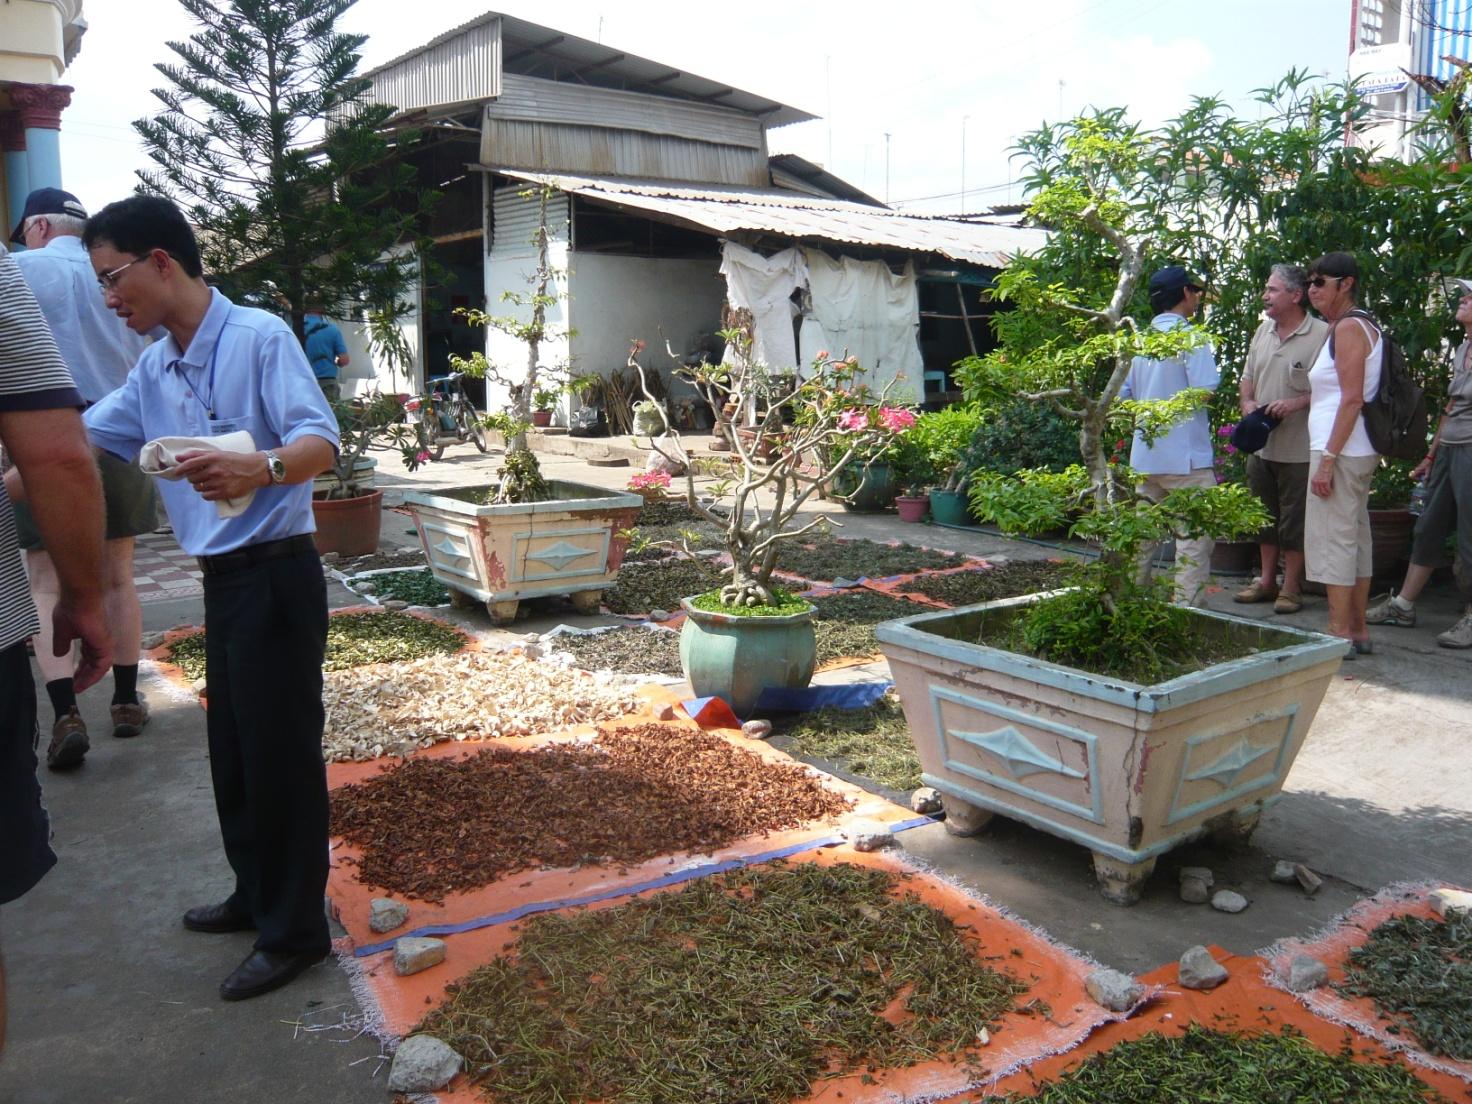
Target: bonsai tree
364	425
1069	342
764	495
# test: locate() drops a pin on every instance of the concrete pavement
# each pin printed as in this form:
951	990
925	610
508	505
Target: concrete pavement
112	1001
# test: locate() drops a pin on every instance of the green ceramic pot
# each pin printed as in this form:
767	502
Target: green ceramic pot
865	490
950	508
736	658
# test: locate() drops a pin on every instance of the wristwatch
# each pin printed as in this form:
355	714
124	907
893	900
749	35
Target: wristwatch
276	467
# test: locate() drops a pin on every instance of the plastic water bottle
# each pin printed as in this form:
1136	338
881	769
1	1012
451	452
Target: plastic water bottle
1418	500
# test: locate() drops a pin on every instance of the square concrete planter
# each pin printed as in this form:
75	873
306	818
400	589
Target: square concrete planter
1128	771
501	554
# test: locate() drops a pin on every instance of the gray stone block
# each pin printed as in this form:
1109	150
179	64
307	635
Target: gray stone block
386	914
413	953
1306	972
1114	990
1195	892
422	1064
1201	874
1227	901
1198	970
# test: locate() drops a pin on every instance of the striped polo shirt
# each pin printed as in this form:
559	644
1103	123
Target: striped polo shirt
32	377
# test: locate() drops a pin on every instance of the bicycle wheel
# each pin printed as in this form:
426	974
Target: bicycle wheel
470	427
429	432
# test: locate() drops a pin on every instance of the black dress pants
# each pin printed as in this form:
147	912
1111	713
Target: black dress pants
25	848
266	627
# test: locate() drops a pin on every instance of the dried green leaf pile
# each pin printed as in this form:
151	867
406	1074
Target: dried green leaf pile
429	827
844	623
645	587
873	741
353	639
965	588
745	988
853	559
630	651
418	587
1217	1067
1419	974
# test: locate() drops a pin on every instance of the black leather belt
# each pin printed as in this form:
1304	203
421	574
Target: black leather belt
252	554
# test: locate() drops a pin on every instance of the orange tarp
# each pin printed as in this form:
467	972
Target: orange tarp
1332	948
1244	1002
1054	974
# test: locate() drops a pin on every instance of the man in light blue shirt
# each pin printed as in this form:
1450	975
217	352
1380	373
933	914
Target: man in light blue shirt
222	370
99	350
1181	457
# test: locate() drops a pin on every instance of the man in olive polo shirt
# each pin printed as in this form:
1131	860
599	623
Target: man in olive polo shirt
1276	379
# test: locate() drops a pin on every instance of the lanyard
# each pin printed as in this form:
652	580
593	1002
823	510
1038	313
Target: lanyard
209	402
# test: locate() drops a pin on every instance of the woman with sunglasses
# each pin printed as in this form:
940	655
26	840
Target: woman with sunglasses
1341	458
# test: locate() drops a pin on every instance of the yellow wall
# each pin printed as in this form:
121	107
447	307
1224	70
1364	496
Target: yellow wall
38	39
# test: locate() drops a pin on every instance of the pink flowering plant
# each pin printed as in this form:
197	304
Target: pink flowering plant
652	485
1229	462
760	501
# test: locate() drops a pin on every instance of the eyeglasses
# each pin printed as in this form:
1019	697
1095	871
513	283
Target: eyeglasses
1320	281
107	281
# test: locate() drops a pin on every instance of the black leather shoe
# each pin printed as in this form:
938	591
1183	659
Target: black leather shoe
217	918
263	971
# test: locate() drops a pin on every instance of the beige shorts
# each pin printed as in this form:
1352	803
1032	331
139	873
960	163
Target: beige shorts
1336	530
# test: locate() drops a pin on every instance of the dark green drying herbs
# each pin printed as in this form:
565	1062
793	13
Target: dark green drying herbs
743	988
645	587
1216	1067
353	639
873	741
1419	974
854	559
844	623
965	588
418	588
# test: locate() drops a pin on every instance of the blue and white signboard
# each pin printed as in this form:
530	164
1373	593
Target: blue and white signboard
1377	70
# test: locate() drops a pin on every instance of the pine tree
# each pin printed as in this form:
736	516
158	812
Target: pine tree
268	145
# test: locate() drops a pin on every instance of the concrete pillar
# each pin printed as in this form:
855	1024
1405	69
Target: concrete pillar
40	107
17	172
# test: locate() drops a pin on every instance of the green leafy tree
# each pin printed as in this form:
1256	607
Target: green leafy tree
266	141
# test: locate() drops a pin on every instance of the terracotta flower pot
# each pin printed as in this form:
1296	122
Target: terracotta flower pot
348	526
912	507
541	418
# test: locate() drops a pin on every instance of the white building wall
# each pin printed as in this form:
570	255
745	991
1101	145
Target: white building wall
511	265
364	375
617	299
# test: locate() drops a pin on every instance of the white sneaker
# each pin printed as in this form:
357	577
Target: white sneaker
1459	635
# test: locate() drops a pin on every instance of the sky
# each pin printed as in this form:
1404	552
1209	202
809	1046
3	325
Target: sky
901	91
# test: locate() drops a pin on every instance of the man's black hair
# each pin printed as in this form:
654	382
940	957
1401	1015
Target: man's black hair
141	224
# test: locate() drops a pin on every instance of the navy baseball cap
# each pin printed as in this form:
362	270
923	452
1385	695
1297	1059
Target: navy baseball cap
48	201
1174	278
1252	431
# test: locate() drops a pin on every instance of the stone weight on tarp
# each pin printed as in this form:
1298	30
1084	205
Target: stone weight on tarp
422	1064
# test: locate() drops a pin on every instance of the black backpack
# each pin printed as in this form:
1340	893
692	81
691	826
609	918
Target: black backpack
1395	419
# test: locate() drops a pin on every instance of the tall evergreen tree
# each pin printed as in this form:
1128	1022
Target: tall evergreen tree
267	143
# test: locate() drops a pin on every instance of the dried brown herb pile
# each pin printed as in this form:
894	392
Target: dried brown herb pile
853	559
1419	974
744	988
1229	1068
631	651
873	741
964	588
844	623
430	826
353	639
392	708
645	587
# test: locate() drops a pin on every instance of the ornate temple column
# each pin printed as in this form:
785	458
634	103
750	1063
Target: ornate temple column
40	107
17	171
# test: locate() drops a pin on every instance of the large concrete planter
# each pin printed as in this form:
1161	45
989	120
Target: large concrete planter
732	657
1128	771
501	554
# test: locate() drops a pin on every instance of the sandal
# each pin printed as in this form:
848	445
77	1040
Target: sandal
1256	593
1288	603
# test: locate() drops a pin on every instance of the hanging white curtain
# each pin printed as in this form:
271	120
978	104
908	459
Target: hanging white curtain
764	286
861	308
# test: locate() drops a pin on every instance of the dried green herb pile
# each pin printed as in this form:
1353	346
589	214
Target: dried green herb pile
429	827
672	520
853	559
1216	1067
964	588
844	623
353	639
418	588
645	587
1419	974
744	988
630	651
873	741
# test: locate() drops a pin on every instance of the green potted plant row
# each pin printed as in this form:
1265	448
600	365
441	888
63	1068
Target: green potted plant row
941	437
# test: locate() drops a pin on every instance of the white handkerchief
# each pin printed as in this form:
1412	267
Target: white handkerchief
160	457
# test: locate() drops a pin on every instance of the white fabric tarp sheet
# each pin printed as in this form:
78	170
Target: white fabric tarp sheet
764	286
861	308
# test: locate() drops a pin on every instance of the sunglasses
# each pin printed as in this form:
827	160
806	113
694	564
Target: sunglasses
1320	281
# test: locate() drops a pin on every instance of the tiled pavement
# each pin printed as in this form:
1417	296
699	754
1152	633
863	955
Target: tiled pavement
161	569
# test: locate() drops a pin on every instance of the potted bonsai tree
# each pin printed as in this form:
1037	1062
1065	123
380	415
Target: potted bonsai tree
1102	713
750	634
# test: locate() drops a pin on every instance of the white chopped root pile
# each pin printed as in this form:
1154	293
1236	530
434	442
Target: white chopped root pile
392	708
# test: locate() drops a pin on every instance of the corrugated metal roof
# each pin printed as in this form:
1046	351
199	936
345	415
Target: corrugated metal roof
724	209
521	40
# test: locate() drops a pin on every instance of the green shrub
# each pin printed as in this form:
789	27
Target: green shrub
1023	434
